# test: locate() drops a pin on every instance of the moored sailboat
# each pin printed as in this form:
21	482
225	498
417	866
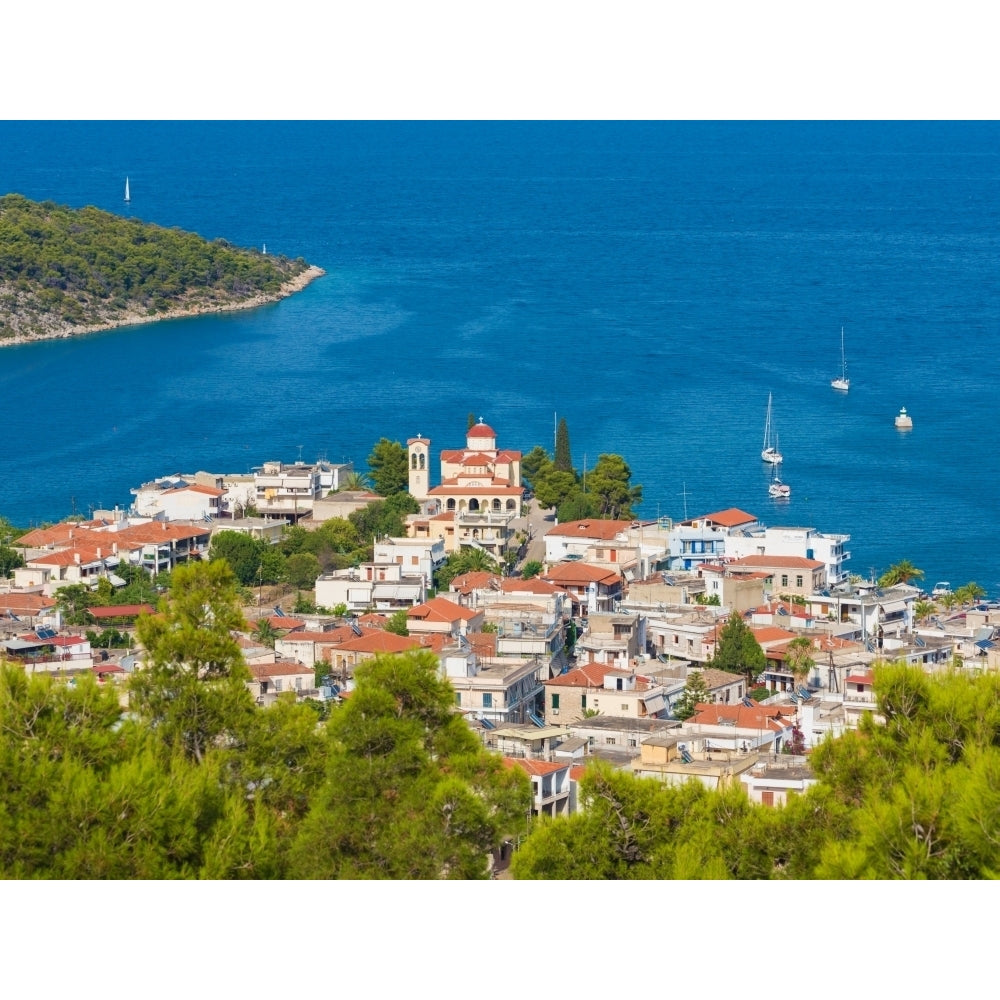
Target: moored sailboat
128	197
842	382
778	489
769	453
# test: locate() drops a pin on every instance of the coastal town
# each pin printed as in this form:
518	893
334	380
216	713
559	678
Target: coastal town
593	657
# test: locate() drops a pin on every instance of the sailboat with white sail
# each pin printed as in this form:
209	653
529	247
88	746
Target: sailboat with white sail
128	197
842	382
778	489
769	452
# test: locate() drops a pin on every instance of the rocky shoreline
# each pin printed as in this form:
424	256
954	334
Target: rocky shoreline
290	287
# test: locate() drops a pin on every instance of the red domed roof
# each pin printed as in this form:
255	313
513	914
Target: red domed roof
482	430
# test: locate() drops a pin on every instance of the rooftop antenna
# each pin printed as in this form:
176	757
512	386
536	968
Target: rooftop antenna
300	454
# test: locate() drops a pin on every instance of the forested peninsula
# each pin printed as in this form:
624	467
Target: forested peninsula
66	271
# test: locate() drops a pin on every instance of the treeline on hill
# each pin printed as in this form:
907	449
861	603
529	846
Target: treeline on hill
62	267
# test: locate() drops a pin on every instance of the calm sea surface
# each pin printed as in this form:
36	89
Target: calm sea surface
651	283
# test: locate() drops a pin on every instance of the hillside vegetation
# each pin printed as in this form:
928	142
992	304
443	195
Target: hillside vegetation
65	270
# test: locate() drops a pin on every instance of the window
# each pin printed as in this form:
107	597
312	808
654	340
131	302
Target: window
555	701
298	683
458	698
767	798
610	741
583	701
487	699
277	684
625	706
798	580
784	579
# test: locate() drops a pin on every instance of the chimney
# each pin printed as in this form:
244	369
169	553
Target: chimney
76	558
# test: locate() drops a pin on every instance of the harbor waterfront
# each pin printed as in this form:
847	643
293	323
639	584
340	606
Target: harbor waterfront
652	283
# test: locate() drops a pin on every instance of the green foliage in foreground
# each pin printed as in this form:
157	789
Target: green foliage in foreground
196	781
917	797
62	267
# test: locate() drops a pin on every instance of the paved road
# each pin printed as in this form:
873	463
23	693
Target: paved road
536	522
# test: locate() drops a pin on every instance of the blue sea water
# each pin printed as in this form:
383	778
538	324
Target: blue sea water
650	282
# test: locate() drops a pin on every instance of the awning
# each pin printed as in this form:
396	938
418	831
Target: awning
894	607
115	581
654	704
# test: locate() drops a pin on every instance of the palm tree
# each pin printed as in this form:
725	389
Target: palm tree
356	482
948	601
922	610
265	633
901	572
970	593
798	657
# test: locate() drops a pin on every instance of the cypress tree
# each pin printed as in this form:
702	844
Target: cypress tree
563	462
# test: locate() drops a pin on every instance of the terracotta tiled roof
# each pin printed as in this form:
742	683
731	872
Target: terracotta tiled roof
860	679
771	717
483	643
580	573
43	537
26	604
481	430
377	641
158	531
536	585
772	634
731	517
283	622
783	562
85	555
536	767
497	488
474	580
440	609
281	668
719	678
589	528
589	675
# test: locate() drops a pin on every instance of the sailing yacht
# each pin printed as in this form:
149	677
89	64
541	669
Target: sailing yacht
128	197
842	382
778	489
769	453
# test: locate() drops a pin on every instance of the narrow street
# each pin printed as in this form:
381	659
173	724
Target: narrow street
536	522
